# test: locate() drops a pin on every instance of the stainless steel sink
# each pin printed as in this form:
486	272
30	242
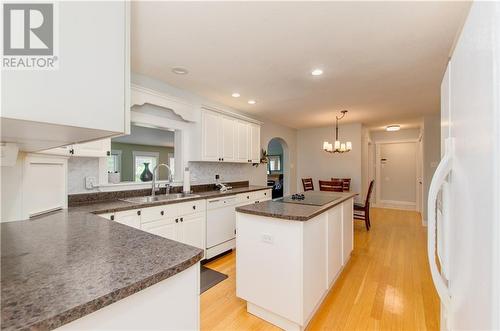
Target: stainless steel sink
162	197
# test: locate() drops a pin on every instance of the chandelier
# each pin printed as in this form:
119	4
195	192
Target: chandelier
337	147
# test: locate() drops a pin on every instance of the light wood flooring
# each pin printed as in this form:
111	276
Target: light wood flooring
385	286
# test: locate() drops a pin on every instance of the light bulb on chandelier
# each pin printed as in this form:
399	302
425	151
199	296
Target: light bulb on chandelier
338	146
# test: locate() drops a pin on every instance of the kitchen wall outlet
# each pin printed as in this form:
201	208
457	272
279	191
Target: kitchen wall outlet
90	182
267	238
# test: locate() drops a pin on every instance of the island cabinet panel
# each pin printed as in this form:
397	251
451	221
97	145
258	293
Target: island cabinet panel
172	304
347	229
334	241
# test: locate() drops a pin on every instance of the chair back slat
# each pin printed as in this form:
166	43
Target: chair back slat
308	184
331	186
346	183
369	194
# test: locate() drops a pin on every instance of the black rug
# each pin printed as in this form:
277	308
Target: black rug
209	278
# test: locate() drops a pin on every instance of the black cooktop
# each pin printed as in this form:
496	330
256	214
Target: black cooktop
310	198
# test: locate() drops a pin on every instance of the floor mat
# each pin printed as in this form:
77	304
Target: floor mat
209	278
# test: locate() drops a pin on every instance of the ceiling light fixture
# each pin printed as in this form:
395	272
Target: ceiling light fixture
180	71
393	128
338	147
235	95
317	72
252	102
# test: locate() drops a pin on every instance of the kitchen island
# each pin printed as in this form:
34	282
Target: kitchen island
289	252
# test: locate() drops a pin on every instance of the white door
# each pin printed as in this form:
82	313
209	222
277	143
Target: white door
347	230
129	217
396	175
254	143
334	241
228	139
210	122
242	141
165	227
191	230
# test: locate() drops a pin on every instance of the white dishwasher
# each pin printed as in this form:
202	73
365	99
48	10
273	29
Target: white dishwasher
221	225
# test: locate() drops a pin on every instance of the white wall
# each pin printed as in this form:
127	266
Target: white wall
313	162
431	152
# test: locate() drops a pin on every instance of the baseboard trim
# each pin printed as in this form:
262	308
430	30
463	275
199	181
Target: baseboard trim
424	222
393	204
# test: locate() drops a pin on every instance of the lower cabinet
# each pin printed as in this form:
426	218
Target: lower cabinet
347	230
131	218
163	227
191	230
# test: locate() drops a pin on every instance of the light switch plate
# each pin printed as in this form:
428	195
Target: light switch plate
267	238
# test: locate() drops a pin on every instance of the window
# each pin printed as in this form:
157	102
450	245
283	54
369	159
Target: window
140	158
171	163
274	163
115	161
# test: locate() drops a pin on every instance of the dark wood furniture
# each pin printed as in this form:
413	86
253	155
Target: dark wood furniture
346	183
308	184
331	186
362	211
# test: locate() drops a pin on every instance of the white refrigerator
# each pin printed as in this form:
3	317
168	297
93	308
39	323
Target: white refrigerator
464	196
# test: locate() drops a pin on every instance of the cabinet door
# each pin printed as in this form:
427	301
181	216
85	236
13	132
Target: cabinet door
228	126
191	230
334	243
254	145
97	148
242	154
165	227
88	88
129	217
347	230
210	123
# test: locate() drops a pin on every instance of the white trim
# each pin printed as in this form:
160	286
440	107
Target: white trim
231	114
141	95
394	204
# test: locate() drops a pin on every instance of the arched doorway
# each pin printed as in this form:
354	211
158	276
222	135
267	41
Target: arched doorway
278	167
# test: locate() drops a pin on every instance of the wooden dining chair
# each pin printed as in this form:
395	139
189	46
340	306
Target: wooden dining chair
362	211
346	186
331	186
308	184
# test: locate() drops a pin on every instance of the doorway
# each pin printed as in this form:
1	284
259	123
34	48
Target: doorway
277	167
397	174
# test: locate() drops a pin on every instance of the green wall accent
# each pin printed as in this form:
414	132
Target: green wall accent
127	161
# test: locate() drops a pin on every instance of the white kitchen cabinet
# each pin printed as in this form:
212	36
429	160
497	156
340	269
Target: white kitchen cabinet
254	153
85	98
129	217
334	243
347	230
97	148
210	123
228	129
164	227
228	139
191	229
242	141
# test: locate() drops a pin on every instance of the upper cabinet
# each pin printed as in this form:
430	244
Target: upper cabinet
229	139
86	97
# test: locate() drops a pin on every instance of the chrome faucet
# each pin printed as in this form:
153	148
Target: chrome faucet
155	172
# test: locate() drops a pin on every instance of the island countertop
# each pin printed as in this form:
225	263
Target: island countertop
68	264
292	211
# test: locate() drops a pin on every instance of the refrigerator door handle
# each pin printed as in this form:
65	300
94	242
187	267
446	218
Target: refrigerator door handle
438	180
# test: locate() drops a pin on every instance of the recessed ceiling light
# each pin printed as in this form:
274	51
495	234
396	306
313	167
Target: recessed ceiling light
252	102
180	71
235	95
392	128
317	72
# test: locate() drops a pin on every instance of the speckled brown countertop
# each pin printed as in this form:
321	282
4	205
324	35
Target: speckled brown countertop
292	211
59	267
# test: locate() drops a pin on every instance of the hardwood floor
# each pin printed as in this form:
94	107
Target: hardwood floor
385	286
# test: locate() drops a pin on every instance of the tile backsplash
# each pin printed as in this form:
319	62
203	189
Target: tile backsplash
201	173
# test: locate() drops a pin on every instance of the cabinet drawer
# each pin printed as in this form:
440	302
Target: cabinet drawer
259	195
165	228
109	216
129	217
186	208
150	214
244	197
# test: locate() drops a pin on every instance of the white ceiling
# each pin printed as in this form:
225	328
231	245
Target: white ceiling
383	61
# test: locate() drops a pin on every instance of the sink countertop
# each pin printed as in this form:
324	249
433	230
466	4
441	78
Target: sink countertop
292	211
64	265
